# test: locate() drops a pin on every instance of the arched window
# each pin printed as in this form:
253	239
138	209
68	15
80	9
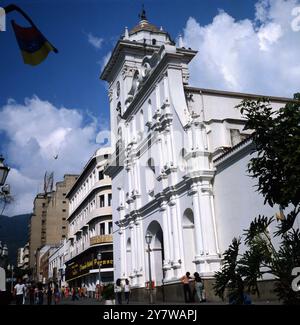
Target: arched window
154	41
142	120
118	145
182	163
150	178
151	164
149	112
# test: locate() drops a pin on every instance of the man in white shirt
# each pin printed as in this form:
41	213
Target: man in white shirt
19	292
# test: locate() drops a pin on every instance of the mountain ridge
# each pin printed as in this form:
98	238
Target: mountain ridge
14	233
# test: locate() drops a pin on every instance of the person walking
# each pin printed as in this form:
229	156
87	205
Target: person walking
198	287
31	293
56	294
127	291
118	291
75	294
19	291
185	280
49	294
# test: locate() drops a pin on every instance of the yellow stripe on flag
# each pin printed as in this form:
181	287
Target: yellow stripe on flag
38	56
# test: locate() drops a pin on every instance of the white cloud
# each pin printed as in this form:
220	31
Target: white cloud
38	131
95	41
259	56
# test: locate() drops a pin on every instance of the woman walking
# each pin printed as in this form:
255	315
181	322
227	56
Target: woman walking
118	291
127	291
198	286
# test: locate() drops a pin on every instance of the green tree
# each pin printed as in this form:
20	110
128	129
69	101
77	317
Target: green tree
276	167
276	163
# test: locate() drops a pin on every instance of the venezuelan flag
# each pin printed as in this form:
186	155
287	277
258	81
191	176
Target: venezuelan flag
33	45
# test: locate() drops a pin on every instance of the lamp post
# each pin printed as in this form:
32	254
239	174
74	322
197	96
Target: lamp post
4	188
99	255
3	254
4	170
148	239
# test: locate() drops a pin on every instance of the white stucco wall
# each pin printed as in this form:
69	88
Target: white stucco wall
237	202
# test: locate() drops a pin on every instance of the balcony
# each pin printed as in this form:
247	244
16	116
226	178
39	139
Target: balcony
96	213
101	239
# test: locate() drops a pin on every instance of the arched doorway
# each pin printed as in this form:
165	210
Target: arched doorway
188	233
156	254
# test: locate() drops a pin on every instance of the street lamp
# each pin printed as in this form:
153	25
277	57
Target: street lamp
99	255
3	254
4	170
148	239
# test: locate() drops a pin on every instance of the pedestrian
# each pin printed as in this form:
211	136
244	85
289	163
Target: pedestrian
19	291
127	291
31	293
67	293
118	291
97	292
198	287
84	290
185	280
49	294
56	294
75	294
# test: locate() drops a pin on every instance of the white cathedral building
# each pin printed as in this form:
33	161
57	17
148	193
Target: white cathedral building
179	170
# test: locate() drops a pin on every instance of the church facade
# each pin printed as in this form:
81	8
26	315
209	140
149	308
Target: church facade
179	168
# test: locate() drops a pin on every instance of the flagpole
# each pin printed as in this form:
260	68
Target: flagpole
13	7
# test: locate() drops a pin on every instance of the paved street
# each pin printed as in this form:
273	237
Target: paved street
92	301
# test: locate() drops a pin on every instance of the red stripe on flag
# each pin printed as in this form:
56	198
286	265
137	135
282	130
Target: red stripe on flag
26	33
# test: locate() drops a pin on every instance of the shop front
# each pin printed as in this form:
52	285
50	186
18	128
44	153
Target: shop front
83	269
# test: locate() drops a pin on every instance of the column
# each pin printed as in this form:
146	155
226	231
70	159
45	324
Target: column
137	252
169	148
157	98
140	241
133	252
166	235
160	153
209	239
173	155
175	229
170	232
190	138
197	221
123	252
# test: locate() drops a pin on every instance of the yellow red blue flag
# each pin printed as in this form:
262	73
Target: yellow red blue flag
33	45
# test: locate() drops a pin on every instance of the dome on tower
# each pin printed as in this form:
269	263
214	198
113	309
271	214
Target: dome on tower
144	25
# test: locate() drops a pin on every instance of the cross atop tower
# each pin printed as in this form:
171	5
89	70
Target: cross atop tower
142	15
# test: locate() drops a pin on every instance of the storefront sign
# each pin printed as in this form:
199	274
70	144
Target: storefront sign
87	261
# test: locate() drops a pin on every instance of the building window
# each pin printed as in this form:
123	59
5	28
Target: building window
110	225
102	201
101	175
64	218
64	210
64	202
63	227
154	41
151	164
109	199
106	156
102	228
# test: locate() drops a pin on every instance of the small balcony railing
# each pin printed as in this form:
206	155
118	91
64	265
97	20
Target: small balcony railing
101	239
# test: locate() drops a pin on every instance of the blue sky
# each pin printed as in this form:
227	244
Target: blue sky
70	78
59	106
